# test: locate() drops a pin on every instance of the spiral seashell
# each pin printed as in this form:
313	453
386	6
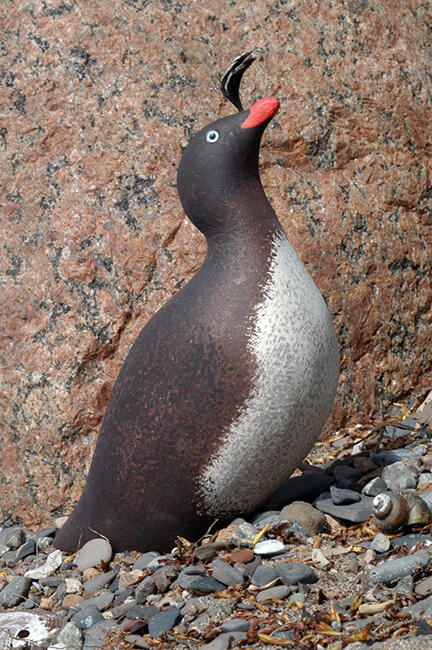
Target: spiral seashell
390	511
419	511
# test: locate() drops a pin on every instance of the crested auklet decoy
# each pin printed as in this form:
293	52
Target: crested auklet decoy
230	383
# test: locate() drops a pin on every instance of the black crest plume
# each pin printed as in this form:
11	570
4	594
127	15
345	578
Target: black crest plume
230	83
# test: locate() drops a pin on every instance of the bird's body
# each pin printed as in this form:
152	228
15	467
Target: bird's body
230	383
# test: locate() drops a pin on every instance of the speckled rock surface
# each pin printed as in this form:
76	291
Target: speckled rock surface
97	100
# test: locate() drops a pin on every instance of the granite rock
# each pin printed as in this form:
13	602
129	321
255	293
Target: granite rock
98	99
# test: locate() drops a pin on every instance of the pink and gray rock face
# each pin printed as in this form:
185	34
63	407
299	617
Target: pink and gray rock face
98	98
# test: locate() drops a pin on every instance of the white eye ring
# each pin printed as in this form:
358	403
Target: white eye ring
212	136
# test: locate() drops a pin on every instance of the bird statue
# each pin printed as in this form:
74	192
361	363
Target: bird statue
230	383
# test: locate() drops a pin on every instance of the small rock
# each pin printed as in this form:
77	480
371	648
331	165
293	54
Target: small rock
224	535
16	538
424	412
264	575
136	641
101	601
311	519
424	587
206	585
273	593
355	512
145	589
43	542
225	573
129	578
244	556
92	553
72	600
292	573
96	635
374	487
400	476
223	641
391	570
424	479
269	547
99	581
87	617
163	622
73	586
47	603
405	585
15	592
380	543
60	522
70	636
29	548
208	551
164	576
53	562
342	497
244	534
235	625
90	573
144	560
404	453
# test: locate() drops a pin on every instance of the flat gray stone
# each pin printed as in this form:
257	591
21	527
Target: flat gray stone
102	601
355	512
244	534
146	588
96	635
70	636
374	487
225	573
92	553
380	543
145	559
273	593
421	608
263	575
164	621
86	618
390	570
98	582
235	625
293	573
399	476
15	592
341	497
206	585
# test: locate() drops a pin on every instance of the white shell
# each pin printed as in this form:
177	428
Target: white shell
269	547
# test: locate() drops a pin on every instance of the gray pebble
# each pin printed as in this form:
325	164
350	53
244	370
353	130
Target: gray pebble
342	497
144	560
355	512
244	534
29	603
163	622
15	592
29	548
87	617
70	636
101	601
263	575
226	573
405	585
15	538
96	635
136	641
91	554
145	589
235	625
400	476
164	576
292	573
374	487
208	551
98	582
405	453
380	543
270	517
206	585
422	608
424	479
390	570
273	593
411	540
43	542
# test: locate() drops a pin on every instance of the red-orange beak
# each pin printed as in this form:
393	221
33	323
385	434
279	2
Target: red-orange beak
261	111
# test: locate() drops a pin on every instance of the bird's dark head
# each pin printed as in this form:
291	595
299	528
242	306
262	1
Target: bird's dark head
218	174
220	165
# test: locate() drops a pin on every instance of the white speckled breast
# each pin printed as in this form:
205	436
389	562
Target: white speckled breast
297	359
